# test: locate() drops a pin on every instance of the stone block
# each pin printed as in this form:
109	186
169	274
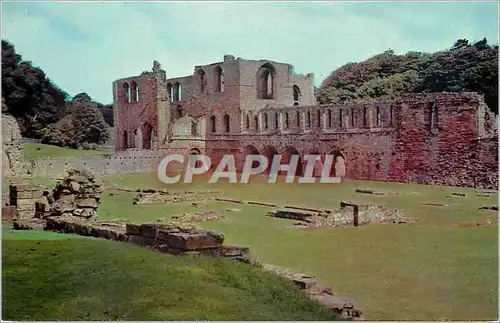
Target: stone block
226	251
142	241
193	241
148	230
304	282
133	229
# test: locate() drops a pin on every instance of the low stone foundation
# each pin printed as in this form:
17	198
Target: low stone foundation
160	196
349	214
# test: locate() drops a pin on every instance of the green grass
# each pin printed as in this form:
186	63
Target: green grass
35	151
430	270
93	279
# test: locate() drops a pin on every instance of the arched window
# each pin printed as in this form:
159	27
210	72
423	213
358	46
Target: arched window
134	90
248	122
201	79
194	130
256	120
265	82
329	118
352	117
212	124
177	91
219	79
125	139
170	90
309	119
296	93
126	91
180	113
266	124
227	123
318	117
378	116
287	122
276	119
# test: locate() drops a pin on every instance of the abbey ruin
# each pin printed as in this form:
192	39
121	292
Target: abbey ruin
242	107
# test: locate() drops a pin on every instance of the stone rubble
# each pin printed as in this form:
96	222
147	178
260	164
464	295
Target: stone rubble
148	196
341	305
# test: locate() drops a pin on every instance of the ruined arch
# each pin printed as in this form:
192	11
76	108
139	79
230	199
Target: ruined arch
219	79
287	154
126	92
269	152
250	150
137	138
227	123
296	92
266	81
339	164
147	135
212	124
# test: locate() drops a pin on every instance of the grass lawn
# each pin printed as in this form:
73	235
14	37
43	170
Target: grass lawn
34	151
49	276
429	270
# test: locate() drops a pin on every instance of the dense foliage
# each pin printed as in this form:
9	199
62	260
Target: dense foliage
41	107
464	67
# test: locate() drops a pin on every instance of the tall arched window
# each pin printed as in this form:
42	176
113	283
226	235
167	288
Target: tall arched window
248	122
126	90
180	113
329	118
265	82
256	120
296	93
219	79
212	124
276	120
177	91
134	90
227	124
287	122
125	139
266	124
170	90
201	79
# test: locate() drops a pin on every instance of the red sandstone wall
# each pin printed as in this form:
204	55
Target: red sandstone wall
129	115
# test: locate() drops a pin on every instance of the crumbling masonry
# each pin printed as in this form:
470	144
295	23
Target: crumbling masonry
242	107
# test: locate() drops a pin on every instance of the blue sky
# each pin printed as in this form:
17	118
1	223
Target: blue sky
84	46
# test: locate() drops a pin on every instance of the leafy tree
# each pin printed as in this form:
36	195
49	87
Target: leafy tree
464	67
29	95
